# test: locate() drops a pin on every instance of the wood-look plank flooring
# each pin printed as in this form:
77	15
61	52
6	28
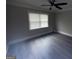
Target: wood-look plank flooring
52	46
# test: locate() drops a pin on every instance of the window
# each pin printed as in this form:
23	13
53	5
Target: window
38	20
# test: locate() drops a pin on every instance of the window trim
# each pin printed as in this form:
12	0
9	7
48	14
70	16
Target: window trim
37	13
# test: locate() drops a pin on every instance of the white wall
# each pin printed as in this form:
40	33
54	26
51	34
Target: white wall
18	26
64	22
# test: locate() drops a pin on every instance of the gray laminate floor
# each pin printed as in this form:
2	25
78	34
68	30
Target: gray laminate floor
52	46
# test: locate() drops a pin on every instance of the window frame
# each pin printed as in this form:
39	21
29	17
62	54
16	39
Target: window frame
40	22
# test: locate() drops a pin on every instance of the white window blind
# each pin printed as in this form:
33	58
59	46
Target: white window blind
38	20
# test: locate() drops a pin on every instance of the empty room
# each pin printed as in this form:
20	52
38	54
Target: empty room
39	29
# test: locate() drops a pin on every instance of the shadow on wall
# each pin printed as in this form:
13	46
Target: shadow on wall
64	22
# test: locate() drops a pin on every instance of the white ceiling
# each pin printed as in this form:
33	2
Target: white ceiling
37	3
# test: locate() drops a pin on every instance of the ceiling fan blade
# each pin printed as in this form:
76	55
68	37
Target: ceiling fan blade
61	4
58	7
45	5
53	1
50	2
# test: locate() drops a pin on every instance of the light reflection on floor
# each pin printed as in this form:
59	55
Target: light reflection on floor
40	47
50	47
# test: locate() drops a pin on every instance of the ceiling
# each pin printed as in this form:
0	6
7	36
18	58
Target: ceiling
36	4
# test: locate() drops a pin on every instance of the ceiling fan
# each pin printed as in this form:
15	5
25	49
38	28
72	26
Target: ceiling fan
57	5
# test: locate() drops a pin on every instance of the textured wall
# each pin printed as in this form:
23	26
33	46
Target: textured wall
64	22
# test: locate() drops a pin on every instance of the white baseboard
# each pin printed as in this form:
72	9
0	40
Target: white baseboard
65	33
